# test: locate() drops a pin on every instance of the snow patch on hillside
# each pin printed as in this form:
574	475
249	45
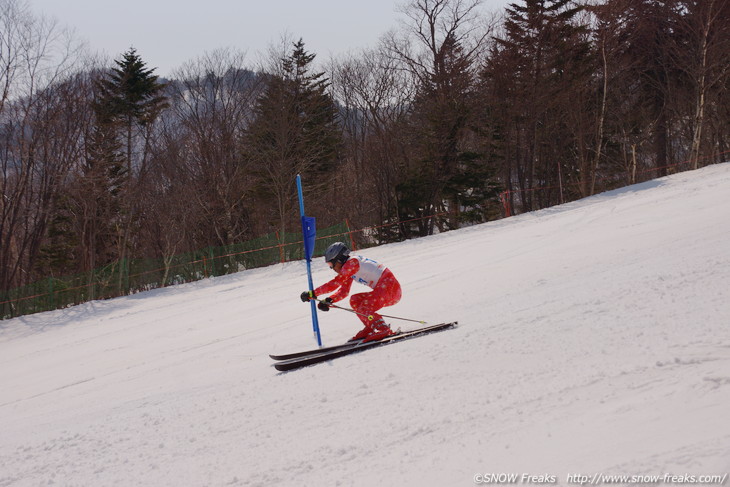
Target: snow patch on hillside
594	337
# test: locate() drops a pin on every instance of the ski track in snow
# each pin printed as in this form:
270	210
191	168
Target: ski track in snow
594	337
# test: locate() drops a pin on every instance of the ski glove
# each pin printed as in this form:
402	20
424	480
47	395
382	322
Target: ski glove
325	305
307	295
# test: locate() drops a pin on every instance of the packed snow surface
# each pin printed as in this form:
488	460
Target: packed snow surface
593	339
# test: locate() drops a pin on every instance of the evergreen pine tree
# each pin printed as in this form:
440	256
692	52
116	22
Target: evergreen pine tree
648	32
295	131
534	70
58	254
103	179
129	98
447	175
130	95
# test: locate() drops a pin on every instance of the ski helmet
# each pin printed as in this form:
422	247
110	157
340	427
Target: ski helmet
337	252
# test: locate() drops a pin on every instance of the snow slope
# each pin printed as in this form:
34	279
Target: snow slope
594	338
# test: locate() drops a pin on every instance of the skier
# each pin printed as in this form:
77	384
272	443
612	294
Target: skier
386	290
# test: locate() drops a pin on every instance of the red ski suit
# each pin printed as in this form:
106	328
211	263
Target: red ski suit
386	290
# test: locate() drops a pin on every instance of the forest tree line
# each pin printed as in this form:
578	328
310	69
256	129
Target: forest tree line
101	163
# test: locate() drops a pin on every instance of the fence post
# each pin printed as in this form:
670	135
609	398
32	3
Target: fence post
212	259
51	294
349	232
504	195
280	244
127	289
91	283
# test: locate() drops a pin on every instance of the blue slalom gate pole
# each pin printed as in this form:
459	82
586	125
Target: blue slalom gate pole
309	232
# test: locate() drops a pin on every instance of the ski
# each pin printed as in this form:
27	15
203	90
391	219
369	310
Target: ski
349	344
323	355
314	351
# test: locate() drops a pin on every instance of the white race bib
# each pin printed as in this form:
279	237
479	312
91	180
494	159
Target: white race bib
369	272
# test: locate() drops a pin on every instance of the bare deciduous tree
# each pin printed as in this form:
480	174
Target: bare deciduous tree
39	143
375	93
703	37
212	107
440	45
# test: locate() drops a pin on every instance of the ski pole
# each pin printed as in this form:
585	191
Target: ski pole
369	317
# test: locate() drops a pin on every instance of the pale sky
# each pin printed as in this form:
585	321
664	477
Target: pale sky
168	33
